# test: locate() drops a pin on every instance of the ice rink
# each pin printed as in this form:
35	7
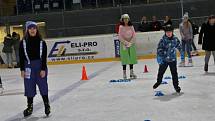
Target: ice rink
97	99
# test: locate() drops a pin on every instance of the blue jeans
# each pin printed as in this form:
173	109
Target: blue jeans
186	46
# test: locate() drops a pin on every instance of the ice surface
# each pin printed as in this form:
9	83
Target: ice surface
99	100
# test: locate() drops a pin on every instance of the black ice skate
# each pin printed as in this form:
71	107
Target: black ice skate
178	90
47	109
1	89
28	111
206	68
156	85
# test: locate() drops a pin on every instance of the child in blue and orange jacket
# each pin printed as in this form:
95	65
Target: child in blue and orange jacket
166	56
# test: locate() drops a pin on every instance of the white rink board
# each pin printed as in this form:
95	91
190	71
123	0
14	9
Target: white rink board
98	46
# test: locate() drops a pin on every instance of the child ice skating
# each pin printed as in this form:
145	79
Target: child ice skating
33	66
166	56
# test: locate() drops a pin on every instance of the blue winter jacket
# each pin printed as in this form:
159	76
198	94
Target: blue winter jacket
166	51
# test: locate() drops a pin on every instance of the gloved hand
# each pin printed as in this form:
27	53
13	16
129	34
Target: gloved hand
129	44
159	60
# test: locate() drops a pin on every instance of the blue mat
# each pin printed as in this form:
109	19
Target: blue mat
159	93
164	82
120	80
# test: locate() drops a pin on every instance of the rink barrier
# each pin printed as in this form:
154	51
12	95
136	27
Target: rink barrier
98	48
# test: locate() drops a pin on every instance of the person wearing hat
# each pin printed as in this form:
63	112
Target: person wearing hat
166	56
207	39
127	37
186	33
33	66
16	40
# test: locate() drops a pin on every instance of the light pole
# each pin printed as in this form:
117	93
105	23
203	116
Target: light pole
182	8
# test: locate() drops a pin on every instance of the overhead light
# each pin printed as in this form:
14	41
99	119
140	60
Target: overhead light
18	25
40	23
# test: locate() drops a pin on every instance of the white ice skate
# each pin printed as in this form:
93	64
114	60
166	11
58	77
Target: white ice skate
190	63
176	93
132	75
124	74
182	64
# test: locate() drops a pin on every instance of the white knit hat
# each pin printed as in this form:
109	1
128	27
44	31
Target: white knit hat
30	24
185	15
125	16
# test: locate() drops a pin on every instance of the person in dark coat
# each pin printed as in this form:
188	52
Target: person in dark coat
167	21
155	25
16	40
207	39
195	32
7	49
144	25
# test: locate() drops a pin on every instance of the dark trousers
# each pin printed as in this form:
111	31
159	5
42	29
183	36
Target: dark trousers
173	69
193	45
35	79
124	66
0	80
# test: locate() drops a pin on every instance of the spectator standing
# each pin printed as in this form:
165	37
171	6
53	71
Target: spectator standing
167	21
144	25
7	49
155	25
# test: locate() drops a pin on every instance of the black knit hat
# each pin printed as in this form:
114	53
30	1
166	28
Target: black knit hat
211	17
168	28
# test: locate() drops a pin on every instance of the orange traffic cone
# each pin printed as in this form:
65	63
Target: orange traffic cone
84	73
146	69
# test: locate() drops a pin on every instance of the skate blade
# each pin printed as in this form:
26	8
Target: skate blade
177	93
47	115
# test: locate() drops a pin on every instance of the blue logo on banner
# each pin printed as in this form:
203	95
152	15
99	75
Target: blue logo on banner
117	47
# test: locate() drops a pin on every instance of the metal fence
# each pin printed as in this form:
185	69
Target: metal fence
40	6
103	21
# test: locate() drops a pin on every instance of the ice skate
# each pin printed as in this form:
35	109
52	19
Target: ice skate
206	68
28	111
47	109
178	91
1	89
132	75
182	64
124	74
156	85
190	63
